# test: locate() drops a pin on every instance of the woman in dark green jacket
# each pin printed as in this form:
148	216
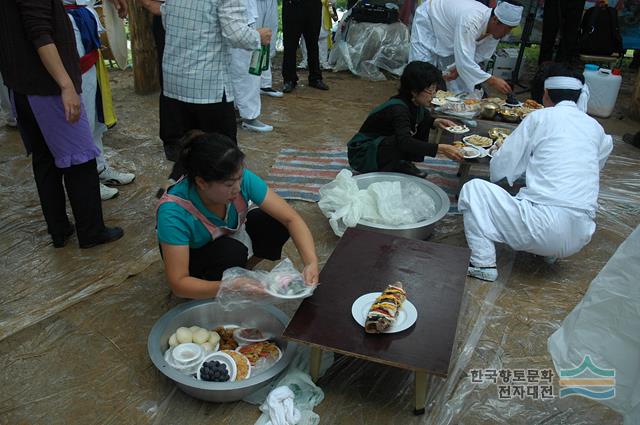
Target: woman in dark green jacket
396	133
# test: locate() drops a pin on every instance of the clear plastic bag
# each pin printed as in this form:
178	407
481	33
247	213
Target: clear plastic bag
390	203
239	285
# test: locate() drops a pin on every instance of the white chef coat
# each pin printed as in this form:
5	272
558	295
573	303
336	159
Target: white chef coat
446	32
561	151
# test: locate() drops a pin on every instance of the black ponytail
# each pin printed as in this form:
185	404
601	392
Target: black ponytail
210	156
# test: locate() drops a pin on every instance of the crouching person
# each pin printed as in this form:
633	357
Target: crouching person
207	223
561	150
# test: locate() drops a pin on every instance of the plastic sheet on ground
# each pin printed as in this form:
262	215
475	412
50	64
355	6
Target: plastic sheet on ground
88	361
366	48
603	328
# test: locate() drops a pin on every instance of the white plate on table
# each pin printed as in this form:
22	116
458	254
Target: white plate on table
407	315
438	102
308	291
471	152
458	129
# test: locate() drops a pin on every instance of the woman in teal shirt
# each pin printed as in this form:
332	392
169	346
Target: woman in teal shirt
206	223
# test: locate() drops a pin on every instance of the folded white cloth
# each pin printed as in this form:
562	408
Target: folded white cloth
281	408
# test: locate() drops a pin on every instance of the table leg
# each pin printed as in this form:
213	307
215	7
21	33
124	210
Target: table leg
422	387
315	358
463	173
438	135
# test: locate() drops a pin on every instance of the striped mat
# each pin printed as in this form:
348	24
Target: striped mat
299	174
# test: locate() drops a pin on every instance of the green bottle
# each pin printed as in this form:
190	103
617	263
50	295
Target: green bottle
266	52
255	64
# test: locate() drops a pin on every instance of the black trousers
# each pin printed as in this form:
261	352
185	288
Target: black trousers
177	118
81	182
562	16
268	236
301	17
391	153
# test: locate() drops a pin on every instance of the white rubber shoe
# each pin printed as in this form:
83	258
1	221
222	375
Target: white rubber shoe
270	91
550	259
256	125
107	192
115	178
490	274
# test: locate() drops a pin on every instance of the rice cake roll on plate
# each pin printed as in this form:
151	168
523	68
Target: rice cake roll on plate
384	310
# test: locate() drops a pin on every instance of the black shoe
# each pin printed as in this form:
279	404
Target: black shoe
109	234
407	167
319	84
288	86
60	241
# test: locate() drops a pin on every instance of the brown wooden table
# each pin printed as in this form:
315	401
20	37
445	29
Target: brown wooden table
364	261
482	129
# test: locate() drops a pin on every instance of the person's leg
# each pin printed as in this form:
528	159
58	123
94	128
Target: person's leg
215	118
571	18
268	18
399	157
291	30
210	261
267	234
490	215
323	47
304	63
550	26
246	88
173	125
48	177
82	184
311	32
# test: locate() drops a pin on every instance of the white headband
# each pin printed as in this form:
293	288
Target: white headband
569	83
509	14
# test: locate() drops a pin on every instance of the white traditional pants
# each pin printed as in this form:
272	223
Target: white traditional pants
246	87
268	18
323	48
5	102
492	215
89	93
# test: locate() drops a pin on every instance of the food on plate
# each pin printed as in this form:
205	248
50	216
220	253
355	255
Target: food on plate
214	338
200	336
509	114
438	101
494	100
227	342
469	152
287	284
458	144
441	94
384	310
457	129
260	350
497	133
214	371
530	103
471	101
511	99
476	140
243	366
184	335
250	334
173	340
523	112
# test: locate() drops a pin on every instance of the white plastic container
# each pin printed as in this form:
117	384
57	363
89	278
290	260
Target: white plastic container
604	86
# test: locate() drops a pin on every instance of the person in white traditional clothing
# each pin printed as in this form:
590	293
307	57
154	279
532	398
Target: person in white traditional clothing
324	40
560	150
87	27
246	86
456	36
268	18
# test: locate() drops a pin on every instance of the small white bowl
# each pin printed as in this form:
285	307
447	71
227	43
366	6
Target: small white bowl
224	358
187	353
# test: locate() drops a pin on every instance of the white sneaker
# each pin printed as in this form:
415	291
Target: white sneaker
115	178
270	91
107	192
490	274
550	259
256	125
302	65
11	122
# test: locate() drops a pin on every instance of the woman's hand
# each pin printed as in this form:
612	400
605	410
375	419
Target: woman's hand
310	274
71	103
451	75
443	123
450	152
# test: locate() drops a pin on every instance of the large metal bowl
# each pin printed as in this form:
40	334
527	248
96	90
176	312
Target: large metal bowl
208	315
420	230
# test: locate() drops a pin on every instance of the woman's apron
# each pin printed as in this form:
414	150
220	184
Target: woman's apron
363	148
239	233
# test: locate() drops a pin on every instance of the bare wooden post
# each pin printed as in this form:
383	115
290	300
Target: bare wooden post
143	49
